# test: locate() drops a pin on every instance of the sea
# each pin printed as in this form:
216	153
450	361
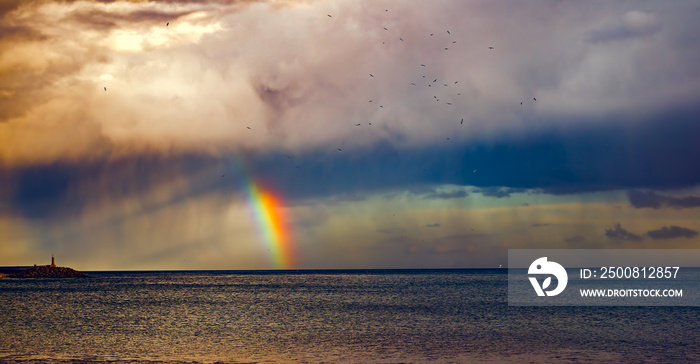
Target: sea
326	316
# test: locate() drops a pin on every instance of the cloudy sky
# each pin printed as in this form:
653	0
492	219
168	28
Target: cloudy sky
132	133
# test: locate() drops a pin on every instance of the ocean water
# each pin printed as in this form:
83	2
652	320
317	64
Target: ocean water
459	316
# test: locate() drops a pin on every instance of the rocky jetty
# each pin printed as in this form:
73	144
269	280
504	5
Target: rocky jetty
47	272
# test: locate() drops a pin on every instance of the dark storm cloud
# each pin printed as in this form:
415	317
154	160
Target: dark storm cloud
672	232
659	155
618	233
651	199
65	189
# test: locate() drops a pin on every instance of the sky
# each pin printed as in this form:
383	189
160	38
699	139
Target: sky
222	134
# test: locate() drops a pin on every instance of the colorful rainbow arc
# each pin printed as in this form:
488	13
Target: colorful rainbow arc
272	223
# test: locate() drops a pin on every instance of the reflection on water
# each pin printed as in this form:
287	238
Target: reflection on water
385	316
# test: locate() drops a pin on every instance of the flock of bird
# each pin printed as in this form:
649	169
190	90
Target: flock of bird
429	84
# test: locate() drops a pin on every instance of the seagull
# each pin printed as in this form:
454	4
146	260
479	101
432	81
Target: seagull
371	75
435	97
435	80
381	106
459	93
413	84
461	122
248	127
222	176
449	103
357	124
401	39
534	98
105	88
166	24
446	48
340	150
422	65
521	102
370	100
329	15
429	85
490	47
370	124
474	172
385	28
431	34
445	84
448	32
454	41
448	138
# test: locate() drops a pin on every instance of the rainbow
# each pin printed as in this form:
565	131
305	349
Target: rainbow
272	223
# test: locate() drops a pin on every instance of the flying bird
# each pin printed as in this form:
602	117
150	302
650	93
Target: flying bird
431	34
385	28
166	24
340	150
461	122
448	32
329	15
454	41
435	80
446	48
371	75
370	100
401	39
449	103
456	82
370	124
459	93
248	127
413	84
222	176
521	102
474	172
490	47
381	106
357	124
105	88
534	98
422	65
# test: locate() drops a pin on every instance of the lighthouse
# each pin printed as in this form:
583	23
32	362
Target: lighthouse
53	263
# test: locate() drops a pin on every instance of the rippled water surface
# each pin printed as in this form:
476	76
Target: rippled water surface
360	316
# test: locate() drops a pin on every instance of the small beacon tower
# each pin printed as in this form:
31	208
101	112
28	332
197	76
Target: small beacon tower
53	263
